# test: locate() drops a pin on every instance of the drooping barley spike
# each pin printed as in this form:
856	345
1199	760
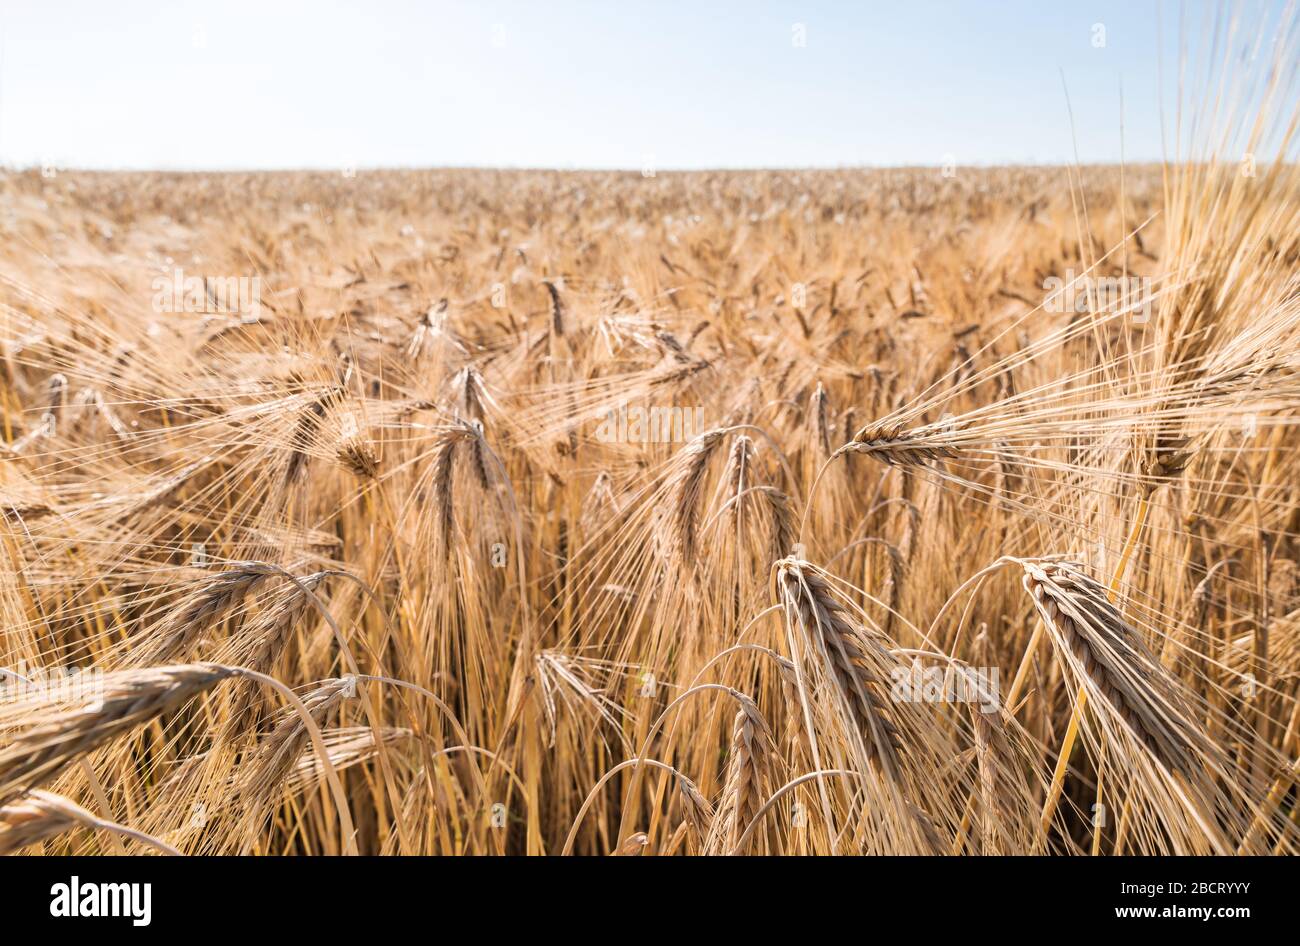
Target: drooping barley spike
894	445
685	486
842	646
1106	652
747	775
200	611
49	729
38	816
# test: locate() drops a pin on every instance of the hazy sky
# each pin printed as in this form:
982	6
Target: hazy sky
570	84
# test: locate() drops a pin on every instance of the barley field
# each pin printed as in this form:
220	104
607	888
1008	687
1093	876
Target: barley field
918	511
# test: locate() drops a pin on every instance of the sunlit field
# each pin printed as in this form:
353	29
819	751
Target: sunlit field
932	511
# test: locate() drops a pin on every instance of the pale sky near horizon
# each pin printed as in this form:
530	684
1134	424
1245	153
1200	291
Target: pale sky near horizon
786	83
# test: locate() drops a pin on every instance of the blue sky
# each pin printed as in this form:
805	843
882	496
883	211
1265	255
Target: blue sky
584	84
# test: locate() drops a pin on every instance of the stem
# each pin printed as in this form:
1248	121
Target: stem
787	787
604	779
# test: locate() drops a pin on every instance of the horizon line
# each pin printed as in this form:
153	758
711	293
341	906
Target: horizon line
608	169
